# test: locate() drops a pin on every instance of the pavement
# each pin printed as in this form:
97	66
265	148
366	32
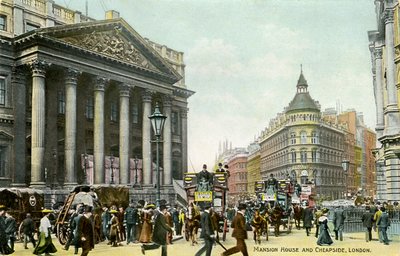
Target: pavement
293	244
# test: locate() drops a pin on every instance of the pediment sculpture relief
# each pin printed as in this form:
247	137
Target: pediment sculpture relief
113	44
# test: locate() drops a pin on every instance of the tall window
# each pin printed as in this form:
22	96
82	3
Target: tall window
61	102
3	22
303	156
293	138
89	108
175	122
135	114
314	156
293	153
314	138
303	137
2	91
114	111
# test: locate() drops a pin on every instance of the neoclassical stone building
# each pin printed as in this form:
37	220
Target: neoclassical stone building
71	87
385	56
299	143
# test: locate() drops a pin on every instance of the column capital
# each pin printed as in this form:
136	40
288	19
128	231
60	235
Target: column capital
100	84
167	100
71	75
184	112
147	95
378	53
389	16
38	67
124	90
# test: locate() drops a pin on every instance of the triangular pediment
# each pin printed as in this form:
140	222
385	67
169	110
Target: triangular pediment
113	39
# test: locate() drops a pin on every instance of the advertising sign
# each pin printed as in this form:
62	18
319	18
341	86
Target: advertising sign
203	196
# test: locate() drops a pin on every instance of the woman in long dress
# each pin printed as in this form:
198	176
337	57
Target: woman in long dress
114	228
147	226
324	237
45	244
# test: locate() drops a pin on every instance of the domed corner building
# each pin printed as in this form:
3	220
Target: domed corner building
301	144
75	99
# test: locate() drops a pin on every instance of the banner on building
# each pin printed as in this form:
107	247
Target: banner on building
203	196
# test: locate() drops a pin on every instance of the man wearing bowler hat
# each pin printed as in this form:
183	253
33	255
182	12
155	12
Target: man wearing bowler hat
207	231
239	232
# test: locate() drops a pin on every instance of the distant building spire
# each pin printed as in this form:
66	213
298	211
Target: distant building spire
302	82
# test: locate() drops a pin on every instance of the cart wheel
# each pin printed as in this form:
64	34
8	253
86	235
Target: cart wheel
225	230
62	234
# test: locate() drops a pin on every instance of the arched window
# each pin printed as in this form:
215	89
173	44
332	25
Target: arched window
303	137
293	153
293	138
303	155
314	155
314	137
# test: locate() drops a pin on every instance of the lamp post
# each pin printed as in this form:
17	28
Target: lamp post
112	169
345	166
85	157
157	120
136	161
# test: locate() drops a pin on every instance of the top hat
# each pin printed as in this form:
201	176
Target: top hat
242	207
163	207
204	166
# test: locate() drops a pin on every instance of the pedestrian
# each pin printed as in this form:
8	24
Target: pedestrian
170	222
207	231
74	227
131	220
175	219
383	223
114	228
11	229
161	229
105	220
28	227
377	215
338	223
147	227
4	248
181	221
84	232
308	217
121	233
45	244
239	232
324	238
318	214
71	228
368	221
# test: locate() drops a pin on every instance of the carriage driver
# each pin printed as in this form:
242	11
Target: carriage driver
204	179
272	185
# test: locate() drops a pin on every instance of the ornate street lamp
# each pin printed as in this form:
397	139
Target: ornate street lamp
345	166
136	161
157	120
85	157
112	169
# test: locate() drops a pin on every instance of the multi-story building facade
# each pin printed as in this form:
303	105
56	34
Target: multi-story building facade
385	57
75	96
237	181
299	143
253	167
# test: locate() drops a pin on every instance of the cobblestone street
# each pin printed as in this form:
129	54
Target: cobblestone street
296	243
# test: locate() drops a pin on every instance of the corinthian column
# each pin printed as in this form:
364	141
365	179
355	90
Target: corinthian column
98	153
146	146
70	126
18	81
167	147
378	83
38	122
391	111
184	141
124	169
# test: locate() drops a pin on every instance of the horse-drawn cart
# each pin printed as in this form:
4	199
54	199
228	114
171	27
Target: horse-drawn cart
96	197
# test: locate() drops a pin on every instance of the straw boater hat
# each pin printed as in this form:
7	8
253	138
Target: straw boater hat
113	211
3	207
47	211
150	206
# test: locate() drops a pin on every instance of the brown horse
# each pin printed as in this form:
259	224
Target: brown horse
276	217
298	215
192	224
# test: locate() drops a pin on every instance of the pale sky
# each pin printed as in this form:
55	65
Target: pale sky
243	58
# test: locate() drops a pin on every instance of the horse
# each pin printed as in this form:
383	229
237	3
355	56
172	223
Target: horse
298	215
276	217
192	224
259	224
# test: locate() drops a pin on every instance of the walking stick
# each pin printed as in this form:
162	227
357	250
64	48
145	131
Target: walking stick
218	242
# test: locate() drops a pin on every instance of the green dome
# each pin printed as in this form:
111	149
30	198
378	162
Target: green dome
303	102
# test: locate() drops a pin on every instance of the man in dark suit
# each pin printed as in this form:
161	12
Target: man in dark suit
207	231
338	223
368	221
161	229
383	223
84	232
308	217
239	232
